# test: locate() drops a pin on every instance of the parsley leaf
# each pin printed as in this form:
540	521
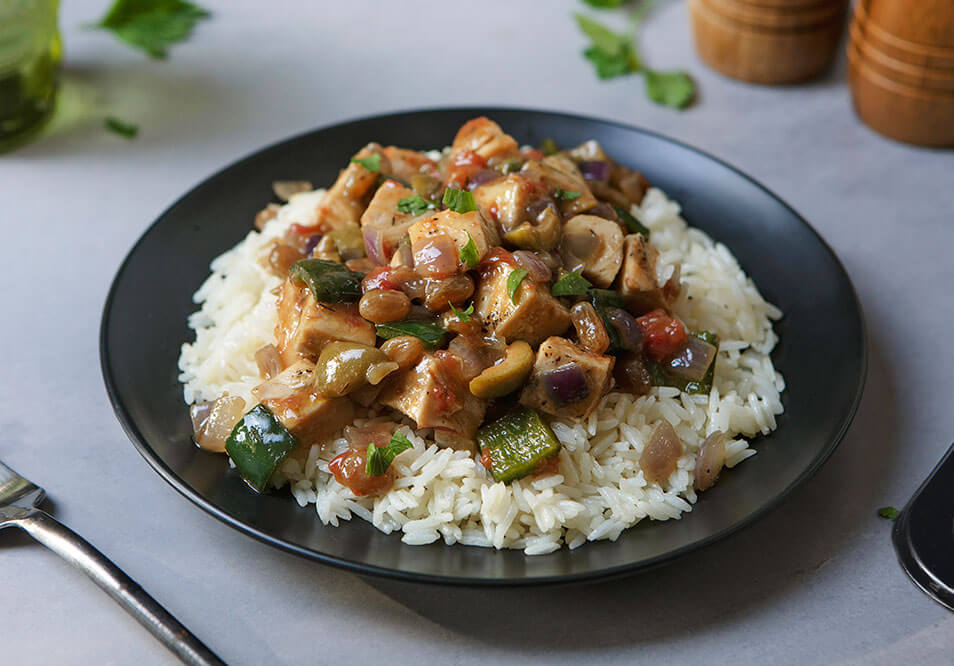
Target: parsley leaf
430	333
415	205
571	284
612	54
674	89
888	513
463	315
459	201
567	195
152	25
633	225
468	254
513	282
379	460
125	129
372	162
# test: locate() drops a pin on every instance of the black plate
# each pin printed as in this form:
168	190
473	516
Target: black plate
821	353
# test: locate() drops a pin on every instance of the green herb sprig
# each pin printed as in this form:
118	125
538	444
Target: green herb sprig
468	254
379	459
459	201
514	281
122	128
571	284
372	162
614	54
152	25
415	205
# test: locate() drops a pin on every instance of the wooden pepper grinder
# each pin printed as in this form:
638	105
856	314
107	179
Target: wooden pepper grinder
768	41
901	69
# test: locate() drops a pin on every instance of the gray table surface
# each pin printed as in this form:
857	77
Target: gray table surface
814	582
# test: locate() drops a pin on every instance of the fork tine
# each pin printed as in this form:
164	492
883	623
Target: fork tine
18	490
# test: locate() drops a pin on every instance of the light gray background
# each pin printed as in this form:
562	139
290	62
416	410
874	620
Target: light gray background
815	581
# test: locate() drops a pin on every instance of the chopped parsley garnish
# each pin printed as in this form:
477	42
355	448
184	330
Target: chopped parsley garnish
372	162
463	315
888	513
571	284
673	89
459	201
549	147
429	333
380	459
605	4
415	205
468	254
117	126
513	282
633	225
152	25
567	195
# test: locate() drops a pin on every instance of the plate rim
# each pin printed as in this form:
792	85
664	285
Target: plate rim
358	567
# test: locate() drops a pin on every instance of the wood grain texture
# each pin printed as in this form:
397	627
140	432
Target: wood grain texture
764	55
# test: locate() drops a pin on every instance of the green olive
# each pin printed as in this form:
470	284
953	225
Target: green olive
349	242
343	366
543	235
507	376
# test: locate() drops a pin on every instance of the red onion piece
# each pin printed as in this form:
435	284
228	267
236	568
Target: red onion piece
536	269
311	244
595	170
693	361
630	334
268	360
481	177
437	257
374	246
566	384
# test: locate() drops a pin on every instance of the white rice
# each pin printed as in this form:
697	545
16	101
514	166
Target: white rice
441	494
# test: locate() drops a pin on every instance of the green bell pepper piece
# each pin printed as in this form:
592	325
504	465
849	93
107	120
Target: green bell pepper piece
329	281
517	444
257	445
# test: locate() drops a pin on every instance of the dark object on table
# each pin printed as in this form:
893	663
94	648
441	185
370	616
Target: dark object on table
822	335
768	41
901	69
923	535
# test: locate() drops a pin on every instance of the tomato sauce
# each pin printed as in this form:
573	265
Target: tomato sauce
349	470
463	165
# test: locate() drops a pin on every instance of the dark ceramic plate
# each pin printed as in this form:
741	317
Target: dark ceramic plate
821	353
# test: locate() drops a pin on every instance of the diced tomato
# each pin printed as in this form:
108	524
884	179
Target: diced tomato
532	153
463	165
664	335
549	466
349	470
379	278
303	230
496	255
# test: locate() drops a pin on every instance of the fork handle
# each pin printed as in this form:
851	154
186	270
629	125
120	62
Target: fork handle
81	554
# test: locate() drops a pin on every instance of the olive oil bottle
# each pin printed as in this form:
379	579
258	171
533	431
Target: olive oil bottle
30	53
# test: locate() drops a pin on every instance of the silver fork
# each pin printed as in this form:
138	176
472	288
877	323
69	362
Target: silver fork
19	499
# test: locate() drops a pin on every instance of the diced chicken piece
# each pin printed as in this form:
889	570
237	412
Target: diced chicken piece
559	171
405	164
597	244
290	396
305	326
560	355
532	315
637	281
461	228
434	394
344	202
485	138
383	218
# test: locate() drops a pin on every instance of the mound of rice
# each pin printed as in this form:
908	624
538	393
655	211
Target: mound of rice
444	494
